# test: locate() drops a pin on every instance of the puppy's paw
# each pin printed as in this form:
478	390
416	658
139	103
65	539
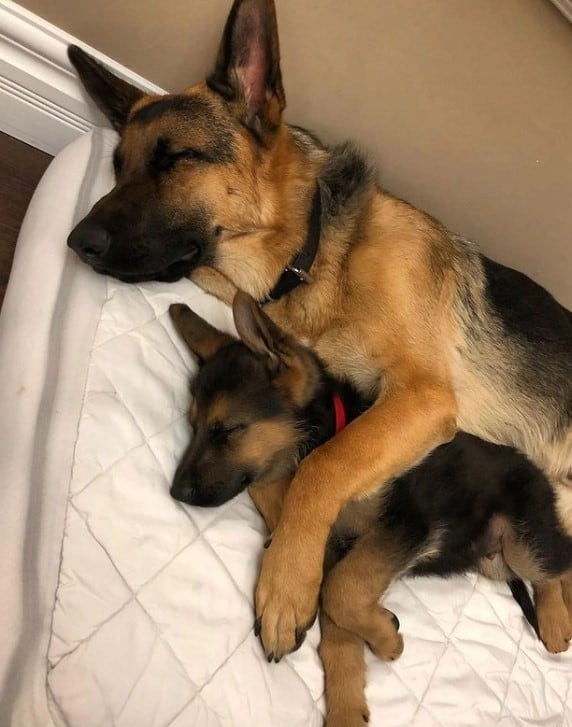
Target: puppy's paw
387	646
555	628
357	716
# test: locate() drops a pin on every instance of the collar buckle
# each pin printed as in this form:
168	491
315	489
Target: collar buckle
304	276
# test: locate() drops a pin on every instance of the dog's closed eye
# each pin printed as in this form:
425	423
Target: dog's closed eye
219	433
166	155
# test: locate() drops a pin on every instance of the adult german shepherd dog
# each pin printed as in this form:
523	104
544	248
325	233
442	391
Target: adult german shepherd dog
212	183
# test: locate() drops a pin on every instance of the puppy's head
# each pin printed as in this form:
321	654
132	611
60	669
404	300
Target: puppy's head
247	396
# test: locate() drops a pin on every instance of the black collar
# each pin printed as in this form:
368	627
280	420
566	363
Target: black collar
298	271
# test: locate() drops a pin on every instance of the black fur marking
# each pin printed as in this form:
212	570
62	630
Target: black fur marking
522	597
114	96
192	110
245	379
117	161
541	329
165	156
219	80
246	34
345	176
528	310
191	107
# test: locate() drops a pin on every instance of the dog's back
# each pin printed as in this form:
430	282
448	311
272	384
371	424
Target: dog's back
471	498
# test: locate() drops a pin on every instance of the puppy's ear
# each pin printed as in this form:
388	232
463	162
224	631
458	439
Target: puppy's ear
256	330
294	368
247	68
113	96
202	339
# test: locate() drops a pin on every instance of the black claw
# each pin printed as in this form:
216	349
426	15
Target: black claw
270	657
365	718
300	635
257	626
268	543
277	659
395	621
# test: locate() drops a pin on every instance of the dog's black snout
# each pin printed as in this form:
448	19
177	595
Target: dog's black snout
183	492
90	241
184	487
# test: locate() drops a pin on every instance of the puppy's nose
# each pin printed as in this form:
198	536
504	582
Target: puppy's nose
90	241
183	489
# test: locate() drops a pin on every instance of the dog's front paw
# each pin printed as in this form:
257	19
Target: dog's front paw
348	717
286	599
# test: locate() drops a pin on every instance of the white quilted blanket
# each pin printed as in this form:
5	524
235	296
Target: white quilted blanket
126	608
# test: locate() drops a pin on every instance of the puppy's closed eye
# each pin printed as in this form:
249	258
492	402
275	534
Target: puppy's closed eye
219	432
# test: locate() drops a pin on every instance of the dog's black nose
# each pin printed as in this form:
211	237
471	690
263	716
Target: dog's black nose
183	492
90	241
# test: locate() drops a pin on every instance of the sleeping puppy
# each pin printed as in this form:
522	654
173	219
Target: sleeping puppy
263	403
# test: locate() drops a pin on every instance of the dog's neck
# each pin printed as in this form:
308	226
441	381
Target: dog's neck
299	165
343	182
298	271
333	405
348	195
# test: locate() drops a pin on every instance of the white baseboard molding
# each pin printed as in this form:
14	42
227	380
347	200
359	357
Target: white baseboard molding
41	99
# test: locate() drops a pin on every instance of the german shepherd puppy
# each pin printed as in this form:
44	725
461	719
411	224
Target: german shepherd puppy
213	183
261	404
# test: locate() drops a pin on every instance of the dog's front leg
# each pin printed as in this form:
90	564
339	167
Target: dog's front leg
215	283
269	500
387	440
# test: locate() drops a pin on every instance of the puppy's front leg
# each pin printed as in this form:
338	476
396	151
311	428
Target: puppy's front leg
386	441
215	283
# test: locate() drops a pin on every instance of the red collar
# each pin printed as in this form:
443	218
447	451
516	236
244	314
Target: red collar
340	412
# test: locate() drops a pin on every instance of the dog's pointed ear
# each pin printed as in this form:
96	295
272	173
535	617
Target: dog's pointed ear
247	68
202	339
256	330
112	95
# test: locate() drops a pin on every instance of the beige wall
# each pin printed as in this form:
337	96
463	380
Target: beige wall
466	105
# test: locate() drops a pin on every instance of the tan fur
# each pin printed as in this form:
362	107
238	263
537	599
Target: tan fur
269	499
263	439
342	656
552	596
566	584
341	651
352	591
217	411
553	616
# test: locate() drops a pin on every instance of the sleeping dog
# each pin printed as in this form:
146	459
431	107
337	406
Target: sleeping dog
262	403
213	183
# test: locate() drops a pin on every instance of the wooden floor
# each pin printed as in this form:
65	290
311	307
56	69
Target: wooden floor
21	167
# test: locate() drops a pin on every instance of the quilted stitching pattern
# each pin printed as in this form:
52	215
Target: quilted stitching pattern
153	619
